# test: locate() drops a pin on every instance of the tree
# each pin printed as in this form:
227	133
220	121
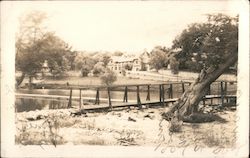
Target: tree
34	45
55	51
85	70
215	44
174	65
71	58
98	69
108	78
84	62
28	43
118	53
103	57
159	58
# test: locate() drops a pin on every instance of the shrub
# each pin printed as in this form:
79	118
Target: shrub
98	69
128	66
108	78
85	70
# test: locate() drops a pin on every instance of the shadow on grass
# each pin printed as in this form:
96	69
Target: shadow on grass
203	117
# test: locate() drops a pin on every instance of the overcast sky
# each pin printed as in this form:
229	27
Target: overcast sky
125	26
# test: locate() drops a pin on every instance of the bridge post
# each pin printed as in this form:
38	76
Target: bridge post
171	91
163	94
148	93
97	98
109	98
183	87
138	97
222	93
204	101
225	91
70	98
125	98
160	95
80	99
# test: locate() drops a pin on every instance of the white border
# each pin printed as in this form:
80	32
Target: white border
8	149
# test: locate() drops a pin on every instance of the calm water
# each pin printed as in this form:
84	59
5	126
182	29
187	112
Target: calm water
30	104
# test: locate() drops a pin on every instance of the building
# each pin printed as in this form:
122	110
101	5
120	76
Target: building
129	62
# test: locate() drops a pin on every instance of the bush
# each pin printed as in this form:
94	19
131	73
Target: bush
108	78
128	66
98	69
85	70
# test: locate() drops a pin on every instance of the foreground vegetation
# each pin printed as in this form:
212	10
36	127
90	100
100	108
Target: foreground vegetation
128	127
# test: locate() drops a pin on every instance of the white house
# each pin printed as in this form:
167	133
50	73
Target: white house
137	62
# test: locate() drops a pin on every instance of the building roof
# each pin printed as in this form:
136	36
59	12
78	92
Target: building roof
123	58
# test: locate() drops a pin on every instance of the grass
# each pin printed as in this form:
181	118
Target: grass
203	117
48	132
214	139
92	81
94	141
47	135
126	138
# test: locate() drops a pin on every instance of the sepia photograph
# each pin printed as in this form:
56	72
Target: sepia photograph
132	78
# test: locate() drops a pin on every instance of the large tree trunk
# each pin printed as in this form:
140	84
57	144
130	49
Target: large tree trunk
188	103
20	80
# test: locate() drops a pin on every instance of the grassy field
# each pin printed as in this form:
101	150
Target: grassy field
96	81
89	81
74	78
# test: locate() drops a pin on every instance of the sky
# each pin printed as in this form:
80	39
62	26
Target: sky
128	26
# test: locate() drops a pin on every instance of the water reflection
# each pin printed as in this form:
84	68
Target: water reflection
27	104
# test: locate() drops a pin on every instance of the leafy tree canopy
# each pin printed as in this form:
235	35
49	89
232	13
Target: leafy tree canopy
159	57
34	45
207	44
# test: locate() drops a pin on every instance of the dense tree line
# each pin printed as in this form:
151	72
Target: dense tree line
199	46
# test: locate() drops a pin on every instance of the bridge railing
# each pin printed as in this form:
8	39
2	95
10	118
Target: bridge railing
161	94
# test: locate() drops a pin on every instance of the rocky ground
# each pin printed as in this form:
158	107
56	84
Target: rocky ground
126	127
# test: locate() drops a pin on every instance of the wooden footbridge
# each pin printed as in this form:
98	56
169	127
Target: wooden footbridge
168	93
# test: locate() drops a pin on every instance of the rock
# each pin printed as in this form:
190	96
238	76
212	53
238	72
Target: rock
34	118
131	119
149	116
78	113
30	118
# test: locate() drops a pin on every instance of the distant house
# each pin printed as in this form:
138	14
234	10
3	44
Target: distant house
129	62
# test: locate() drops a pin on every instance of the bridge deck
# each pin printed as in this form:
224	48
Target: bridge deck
116	103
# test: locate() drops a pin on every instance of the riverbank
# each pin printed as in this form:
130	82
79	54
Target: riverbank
121	128
132	77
